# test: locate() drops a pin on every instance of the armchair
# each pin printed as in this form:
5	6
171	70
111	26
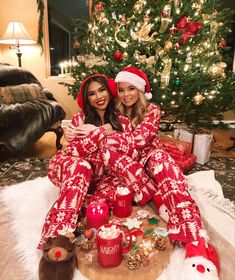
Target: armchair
27	110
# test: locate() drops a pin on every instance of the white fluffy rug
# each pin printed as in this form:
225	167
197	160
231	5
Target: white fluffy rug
29	202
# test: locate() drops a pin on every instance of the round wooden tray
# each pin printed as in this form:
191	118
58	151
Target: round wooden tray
90	268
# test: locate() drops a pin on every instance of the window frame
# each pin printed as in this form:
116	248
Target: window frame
46	44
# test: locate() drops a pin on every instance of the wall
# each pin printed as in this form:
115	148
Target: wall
32	59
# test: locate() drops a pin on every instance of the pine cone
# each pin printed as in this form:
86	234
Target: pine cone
81	228
161	243
86	245
133	260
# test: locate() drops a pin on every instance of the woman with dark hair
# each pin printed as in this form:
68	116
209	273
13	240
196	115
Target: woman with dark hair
80	163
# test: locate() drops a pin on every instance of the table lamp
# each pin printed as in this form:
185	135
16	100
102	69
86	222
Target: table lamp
17	35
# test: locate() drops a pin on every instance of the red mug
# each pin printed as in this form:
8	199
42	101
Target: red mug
110	250
122	206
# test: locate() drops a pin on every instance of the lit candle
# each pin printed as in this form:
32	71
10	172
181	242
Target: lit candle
66	67
97	214
62	68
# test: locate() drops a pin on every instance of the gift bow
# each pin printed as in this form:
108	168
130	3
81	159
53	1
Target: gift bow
190	28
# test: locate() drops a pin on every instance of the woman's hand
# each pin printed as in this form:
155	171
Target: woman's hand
70	133
84	129
108	129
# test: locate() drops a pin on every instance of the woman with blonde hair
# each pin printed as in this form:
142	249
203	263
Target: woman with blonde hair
185	224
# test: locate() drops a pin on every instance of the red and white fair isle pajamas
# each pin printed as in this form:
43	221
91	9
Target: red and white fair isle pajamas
73	170
184	217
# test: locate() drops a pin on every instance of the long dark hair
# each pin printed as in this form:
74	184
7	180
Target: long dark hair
91	115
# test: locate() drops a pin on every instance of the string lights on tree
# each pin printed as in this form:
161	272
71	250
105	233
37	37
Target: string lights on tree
183	46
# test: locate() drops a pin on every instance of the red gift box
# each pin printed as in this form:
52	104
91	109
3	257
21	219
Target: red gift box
175	147
186	162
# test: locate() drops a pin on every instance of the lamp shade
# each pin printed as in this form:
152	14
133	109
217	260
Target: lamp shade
16	34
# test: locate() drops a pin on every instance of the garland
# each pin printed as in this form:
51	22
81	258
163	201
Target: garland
40	23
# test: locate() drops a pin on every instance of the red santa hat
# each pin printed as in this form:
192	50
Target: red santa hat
203	249
111	84
137	78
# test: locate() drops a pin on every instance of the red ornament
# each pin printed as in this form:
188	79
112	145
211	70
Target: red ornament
146	18
89	234
123	20
177	46
118	55
184	38
164	14
173	30
99	7
223	43
76	44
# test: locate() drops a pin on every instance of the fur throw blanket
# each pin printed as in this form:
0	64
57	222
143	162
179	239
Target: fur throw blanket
23	124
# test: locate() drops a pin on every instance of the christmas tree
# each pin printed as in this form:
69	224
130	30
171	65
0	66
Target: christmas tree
182	45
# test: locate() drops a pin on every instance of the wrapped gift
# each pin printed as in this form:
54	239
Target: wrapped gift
175	147
186	162
184	135
202	147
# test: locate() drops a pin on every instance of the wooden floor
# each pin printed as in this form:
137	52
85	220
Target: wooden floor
45	146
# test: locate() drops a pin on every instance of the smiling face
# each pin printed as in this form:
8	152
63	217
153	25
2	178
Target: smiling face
127	94
98	96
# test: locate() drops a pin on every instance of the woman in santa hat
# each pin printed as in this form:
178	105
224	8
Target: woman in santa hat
184	224
130	155
74	168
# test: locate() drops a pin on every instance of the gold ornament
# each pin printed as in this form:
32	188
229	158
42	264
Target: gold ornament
133	259
197	6
100	16
217	70
198	99
168	45
125	55
138	7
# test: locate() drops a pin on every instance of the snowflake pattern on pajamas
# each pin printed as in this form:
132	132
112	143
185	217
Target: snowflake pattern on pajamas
73	170
185	221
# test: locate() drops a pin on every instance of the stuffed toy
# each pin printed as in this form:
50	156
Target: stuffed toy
160	207
58	261
201	262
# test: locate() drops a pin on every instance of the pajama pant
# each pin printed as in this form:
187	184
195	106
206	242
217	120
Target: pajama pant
131	174
184	222
184	217
72	175
105	190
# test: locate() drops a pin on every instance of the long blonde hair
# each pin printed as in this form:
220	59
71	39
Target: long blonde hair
138	110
